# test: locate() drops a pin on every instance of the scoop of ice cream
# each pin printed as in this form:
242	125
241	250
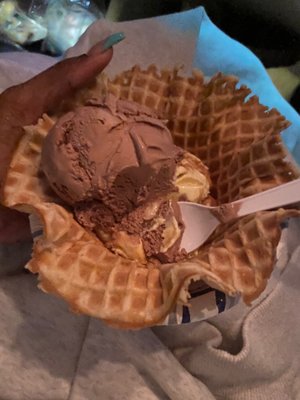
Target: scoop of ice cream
116	164
112	150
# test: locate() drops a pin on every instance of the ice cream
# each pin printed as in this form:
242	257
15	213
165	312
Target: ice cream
115	163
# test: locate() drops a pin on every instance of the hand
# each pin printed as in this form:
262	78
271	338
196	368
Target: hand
23	104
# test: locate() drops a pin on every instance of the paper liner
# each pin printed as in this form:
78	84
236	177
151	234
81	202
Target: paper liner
238	140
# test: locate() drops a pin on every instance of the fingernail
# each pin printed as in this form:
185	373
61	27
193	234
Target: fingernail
106	44
113	39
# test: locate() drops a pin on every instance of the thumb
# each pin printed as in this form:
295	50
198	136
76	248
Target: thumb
45	91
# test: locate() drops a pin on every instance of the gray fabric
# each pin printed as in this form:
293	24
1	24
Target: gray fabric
40	342
247	357
131	365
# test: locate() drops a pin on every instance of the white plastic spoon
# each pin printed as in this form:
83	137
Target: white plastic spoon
200	221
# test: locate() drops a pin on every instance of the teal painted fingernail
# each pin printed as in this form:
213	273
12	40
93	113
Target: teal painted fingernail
112	40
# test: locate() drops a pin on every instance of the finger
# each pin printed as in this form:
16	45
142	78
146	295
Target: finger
45	91
66	77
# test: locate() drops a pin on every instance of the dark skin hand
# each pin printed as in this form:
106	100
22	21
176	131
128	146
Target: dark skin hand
23	104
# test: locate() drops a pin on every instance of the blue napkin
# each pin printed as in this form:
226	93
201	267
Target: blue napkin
217	52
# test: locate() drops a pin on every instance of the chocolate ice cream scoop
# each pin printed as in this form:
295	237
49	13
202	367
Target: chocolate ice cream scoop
114	161
112	150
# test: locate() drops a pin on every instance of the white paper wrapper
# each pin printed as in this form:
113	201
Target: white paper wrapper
166	41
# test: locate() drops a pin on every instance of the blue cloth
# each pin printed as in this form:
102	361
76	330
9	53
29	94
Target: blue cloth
217	52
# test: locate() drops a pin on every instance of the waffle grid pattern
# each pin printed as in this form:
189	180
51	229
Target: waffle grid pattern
75	265
239	248
215	121
240	143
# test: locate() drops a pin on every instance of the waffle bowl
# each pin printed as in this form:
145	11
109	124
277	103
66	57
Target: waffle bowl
239	141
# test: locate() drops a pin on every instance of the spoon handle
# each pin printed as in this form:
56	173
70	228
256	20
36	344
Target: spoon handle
278	196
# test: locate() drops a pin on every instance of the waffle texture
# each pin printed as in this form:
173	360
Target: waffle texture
240	143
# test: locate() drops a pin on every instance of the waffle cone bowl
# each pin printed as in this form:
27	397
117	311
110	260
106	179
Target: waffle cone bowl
238	140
